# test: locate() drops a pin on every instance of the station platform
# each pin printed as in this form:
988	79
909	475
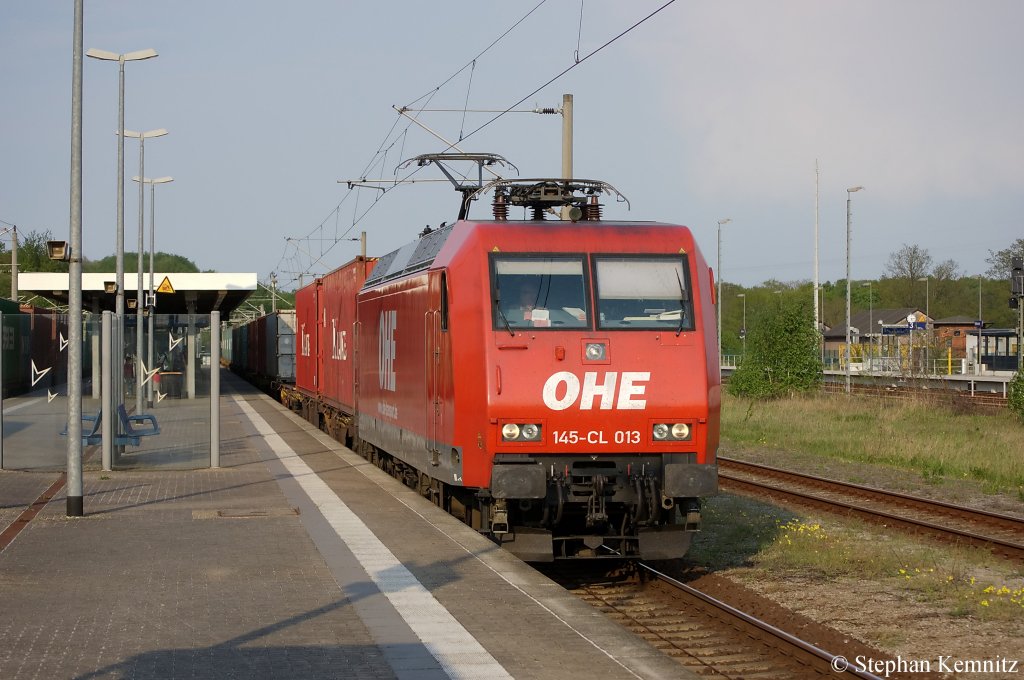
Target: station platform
295	559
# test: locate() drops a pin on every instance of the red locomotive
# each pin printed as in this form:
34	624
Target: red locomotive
553	383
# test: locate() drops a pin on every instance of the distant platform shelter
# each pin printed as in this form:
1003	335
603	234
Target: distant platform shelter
175	293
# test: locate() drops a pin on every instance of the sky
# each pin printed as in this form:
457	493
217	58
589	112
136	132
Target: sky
706	111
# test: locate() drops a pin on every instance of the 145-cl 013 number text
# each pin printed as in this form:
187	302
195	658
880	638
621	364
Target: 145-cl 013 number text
596	437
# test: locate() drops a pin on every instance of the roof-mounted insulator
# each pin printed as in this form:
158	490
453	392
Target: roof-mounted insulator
540	196
500	207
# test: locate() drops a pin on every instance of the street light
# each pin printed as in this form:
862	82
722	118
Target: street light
849	193
727	220
142	137
980	323
151	297
743	331
927	315
927	294
73	486
119	245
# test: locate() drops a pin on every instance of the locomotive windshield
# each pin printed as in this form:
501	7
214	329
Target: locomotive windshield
643	292
539	292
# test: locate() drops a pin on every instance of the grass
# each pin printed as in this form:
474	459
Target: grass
743	532
963	582
938	443
931	439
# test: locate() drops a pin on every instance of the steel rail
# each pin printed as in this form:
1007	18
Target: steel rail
827	661
1008	548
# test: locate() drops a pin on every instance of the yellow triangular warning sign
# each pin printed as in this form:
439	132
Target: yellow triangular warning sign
165	286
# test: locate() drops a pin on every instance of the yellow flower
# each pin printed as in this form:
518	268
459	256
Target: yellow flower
984	603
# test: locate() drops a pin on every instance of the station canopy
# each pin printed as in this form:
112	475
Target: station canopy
209	292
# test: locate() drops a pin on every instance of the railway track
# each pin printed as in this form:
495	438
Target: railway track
1003	534
712	638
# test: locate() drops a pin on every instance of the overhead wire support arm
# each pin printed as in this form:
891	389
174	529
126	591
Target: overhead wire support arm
391	181
364	184
544	110
451	145
295	242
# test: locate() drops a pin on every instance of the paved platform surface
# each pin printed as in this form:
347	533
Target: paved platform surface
295	559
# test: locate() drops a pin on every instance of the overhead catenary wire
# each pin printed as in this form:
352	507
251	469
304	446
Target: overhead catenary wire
465	107
384	146
572	66
477	57
579	35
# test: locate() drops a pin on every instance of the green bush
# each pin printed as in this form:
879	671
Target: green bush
1016	395
783	356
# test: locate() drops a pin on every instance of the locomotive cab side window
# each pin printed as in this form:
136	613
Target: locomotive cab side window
444	301
643	292
539	292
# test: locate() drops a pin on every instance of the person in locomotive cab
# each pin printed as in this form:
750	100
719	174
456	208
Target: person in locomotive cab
525	309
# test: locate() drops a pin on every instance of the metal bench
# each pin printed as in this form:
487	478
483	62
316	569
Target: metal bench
91	435
131	424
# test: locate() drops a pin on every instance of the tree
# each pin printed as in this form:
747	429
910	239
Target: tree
909	263
947	271
32	257
165	263
782	355
999	262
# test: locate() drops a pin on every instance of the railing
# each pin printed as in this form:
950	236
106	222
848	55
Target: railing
901	366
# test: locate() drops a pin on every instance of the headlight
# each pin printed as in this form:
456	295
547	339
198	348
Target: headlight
520	432
680	431
595	351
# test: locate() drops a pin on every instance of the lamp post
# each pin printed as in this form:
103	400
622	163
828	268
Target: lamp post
151	297
727	220
743	330
928	315
981	323
75	498
142	137
119	245
849	193
927	294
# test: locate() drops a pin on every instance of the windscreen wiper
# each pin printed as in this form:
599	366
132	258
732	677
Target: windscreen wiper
497	305
683	297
